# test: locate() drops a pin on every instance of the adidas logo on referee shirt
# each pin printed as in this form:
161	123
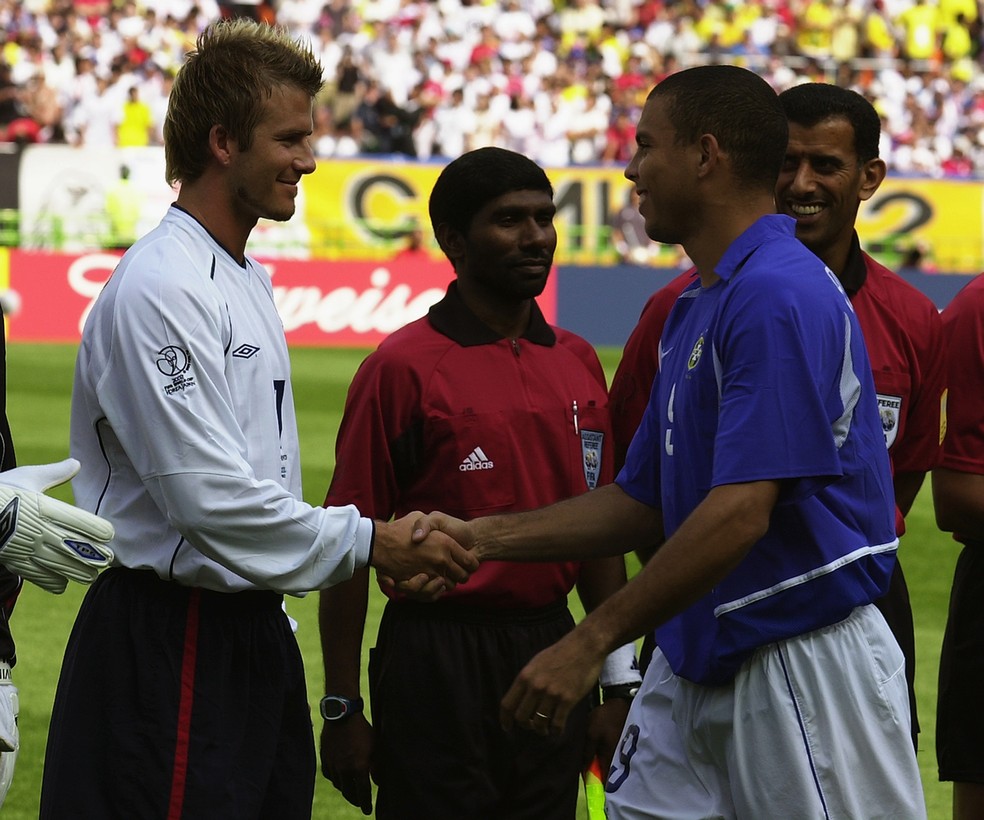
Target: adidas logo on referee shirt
476	460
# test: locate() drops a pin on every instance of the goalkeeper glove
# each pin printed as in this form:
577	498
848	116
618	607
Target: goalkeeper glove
47	541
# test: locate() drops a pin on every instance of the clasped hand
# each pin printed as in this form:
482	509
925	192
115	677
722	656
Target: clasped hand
421	560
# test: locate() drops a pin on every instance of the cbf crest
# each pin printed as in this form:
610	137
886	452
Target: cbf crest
695	354
890	411
591	444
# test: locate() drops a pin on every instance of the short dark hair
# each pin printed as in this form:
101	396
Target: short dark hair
739	108
475	178
810	103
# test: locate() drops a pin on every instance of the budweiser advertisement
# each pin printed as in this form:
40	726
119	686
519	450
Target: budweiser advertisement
332	303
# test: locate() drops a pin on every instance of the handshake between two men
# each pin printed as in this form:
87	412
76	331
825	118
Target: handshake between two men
50	543
419	559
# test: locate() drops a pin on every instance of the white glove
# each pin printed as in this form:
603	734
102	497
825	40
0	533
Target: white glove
47	541
8	729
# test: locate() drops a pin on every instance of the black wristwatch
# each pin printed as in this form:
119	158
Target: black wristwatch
336	708
624	691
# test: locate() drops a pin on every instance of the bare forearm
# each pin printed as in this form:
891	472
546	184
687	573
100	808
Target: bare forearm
907	486
712	540
603	522
341	619
706	547
647	551
959	501
600	578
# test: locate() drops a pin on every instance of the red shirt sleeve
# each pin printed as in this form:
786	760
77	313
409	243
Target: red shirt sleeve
963	334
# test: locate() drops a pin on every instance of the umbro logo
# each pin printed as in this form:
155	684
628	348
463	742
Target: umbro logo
245	351
85	550
477	460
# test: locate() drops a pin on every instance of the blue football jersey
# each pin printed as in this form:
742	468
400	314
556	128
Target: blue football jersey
764	376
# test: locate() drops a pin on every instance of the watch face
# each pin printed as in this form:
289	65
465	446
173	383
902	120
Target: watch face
335	707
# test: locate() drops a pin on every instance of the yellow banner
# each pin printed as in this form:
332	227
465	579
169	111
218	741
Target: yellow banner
944	217
361	209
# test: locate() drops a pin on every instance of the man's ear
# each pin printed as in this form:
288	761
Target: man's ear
451	240
219	143
872	175
709	154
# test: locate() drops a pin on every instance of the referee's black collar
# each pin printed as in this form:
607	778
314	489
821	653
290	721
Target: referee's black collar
855	271
452	317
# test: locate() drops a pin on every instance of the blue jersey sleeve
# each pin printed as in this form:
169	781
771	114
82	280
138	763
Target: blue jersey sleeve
782	406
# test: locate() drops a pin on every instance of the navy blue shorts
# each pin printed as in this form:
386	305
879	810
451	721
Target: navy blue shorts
177	702
959	711
436	679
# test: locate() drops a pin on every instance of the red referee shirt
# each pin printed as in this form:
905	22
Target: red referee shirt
447	415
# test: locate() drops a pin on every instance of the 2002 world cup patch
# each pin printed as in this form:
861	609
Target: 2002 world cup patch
174	362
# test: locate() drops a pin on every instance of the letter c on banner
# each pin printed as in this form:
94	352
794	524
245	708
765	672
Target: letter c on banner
381	226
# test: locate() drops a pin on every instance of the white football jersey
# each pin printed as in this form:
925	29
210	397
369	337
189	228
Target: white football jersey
183	420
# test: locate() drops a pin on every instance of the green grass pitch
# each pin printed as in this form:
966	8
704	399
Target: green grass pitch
39	387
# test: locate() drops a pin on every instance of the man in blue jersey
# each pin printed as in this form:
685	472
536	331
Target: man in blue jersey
777	689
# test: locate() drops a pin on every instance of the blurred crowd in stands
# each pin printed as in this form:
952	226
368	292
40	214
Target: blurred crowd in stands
561	81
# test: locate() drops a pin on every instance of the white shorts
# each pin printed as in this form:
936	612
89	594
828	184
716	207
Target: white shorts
814	727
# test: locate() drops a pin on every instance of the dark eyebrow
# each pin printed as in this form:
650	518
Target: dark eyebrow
291	133
522	210
814	157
